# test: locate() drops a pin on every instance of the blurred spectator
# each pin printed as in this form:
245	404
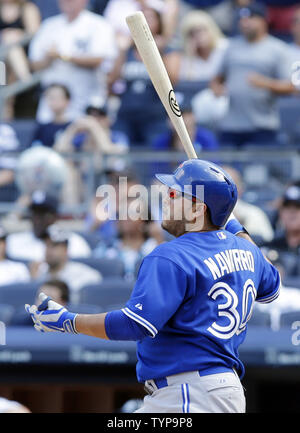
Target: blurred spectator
92	133
295	31
253	218
57	290
219	10
140	121
18	19
11	406
255	71
116	12
29	245
203	140
9	144
98	221
135	240
57	98
11	271
57	264
75	48
39	168
204	46
286	242
237	5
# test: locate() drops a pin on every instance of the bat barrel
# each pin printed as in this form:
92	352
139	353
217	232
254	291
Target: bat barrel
156	69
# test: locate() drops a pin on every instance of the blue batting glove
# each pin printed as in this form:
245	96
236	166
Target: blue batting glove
234	226
49	316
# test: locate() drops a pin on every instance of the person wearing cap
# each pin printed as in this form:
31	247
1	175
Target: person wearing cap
287	237
11	271
254	73
29	244
57	264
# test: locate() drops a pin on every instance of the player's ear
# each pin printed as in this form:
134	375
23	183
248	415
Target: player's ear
198	211
196	217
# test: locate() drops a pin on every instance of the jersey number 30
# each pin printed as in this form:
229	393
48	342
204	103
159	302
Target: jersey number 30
236	324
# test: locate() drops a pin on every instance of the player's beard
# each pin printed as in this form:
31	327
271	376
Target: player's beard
174	227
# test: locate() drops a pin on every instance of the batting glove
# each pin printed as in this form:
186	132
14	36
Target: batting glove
49	316
234	226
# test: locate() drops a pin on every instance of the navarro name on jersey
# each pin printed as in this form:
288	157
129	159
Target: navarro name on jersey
228	261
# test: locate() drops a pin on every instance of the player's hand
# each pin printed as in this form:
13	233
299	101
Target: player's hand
49	316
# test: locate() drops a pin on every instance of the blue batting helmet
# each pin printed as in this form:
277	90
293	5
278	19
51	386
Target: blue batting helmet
219	191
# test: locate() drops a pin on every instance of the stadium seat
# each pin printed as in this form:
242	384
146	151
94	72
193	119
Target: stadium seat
24	129
186	90
91	238
9	193
6	313
289	109
289	281
260	318
107	267
17	295
111	292
288	318
85	308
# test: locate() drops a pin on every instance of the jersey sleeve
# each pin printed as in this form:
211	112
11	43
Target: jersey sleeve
269	287
159	291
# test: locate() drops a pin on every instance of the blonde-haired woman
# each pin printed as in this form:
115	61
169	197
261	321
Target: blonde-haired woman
203	48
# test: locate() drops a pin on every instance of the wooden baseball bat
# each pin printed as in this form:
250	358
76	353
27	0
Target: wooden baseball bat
154	64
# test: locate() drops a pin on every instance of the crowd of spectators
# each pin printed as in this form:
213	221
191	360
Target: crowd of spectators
231	62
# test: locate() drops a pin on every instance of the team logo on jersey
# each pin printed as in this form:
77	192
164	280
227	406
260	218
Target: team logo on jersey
221	235
139	306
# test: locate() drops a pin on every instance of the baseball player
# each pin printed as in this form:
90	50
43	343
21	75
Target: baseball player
191	302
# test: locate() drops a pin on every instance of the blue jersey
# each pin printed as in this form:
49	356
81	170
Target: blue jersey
194	295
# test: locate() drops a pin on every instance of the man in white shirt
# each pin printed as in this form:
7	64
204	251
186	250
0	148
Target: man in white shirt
57	264
29	244
11	271
75	48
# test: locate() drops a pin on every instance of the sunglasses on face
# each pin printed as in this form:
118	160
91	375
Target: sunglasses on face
173	194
